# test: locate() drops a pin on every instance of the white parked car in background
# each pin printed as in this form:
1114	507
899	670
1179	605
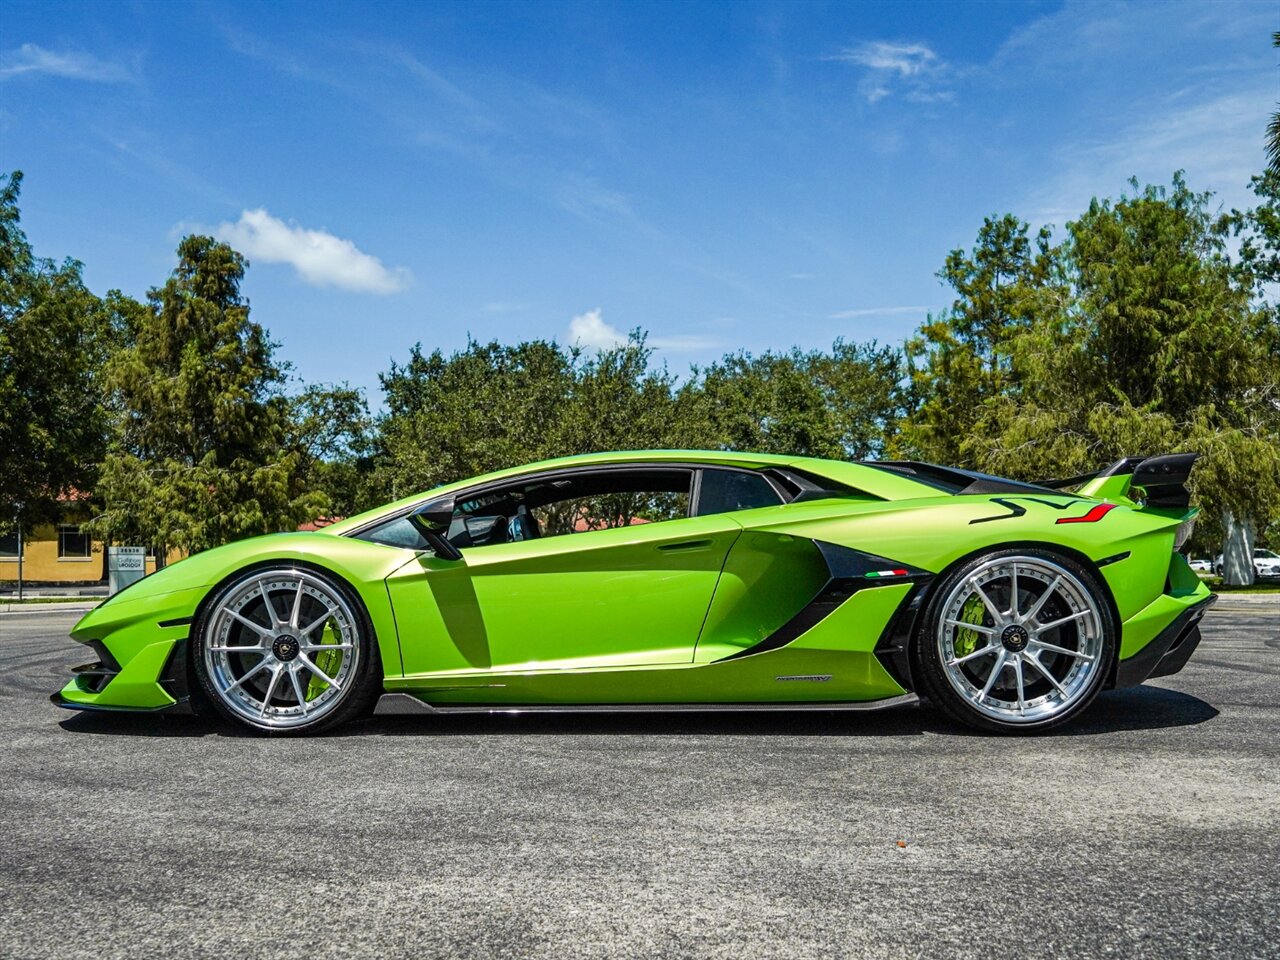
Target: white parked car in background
1266	564
1201	566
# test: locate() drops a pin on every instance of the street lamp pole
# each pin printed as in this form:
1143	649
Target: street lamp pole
18	518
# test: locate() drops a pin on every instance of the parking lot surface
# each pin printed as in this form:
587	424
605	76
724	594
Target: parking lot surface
1149	829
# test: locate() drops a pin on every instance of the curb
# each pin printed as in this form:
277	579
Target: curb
26	609
1256	599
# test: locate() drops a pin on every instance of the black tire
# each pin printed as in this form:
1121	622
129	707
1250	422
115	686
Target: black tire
1095	638
359	690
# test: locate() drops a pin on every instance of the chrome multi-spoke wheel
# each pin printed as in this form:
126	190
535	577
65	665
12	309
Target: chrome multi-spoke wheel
280	649
1021	639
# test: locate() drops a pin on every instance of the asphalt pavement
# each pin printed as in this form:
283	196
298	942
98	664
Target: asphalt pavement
1149	829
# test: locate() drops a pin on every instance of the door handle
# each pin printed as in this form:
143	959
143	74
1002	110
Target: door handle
686	545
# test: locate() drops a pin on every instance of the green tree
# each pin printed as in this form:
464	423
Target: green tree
841	404
1171	354
54	339
201	453
1147	342
618	400
482	408
330	429
1257	232
964	357
1273	128
491	406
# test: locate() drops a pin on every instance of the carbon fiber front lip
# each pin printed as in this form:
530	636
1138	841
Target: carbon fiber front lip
178	708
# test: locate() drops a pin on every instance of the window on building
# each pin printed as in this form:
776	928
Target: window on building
9	546
73	544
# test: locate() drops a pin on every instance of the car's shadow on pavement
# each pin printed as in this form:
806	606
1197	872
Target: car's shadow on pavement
1141	708
1138	708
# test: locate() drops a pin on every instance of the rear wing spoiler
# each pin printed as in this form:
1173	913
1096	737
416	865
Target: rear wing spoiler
1162	479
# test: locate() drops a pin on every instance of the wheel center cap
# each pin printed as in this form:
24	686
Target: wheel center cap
285	648
1014	637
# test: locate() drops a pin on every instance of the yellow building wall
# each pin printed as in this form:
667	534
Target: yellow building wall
41	563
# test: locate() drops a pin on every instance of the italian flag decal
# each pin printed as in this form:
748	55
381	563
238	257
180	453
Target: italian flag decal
886	573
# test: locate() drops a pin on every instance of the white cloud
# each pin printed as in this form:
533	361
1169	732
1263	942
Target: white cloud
906	59
875	312
585	198
320	258
1209	123
33	59
1082	33
591	332
912	69
1217	141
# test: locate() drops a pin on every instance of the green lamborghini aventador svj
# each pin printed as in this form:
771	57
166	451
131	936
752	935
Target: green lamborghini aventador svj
676	580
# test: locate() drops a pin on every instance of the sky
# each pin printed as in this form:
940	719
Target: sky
725	176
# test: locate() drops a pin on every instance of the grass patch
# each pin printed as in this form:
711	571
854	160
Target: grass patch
1217	586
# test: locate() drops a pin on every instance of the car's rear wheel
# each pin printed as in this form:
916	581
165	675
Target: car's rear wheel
1016	640
286	650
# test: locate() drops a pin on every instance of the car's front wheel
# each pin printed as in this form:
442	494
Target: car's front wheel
1016	640
286	650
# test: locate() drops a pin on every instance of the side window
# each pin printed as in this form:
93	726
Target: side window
398	532
485	520
476	523
604	511
555	506
723	491
573	503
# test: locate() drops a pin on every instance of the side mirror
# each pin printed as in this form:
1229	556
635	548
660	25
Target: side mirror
432	520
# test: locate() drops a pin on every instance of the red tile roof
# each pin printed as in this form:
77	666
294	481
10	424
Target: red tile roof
319	523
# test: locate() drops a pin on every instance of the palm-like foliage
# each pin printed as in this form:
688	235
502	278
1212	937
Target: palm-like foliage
1273	128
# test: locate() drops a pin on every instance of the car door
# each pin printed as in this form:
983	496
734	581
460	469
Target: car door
625	595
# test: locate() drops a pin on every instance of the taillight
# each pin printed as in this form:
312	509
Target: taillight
1183	534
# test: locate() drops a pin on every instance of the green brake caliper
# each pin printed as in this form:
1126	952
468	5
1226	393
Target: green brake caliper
328	662
973	611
